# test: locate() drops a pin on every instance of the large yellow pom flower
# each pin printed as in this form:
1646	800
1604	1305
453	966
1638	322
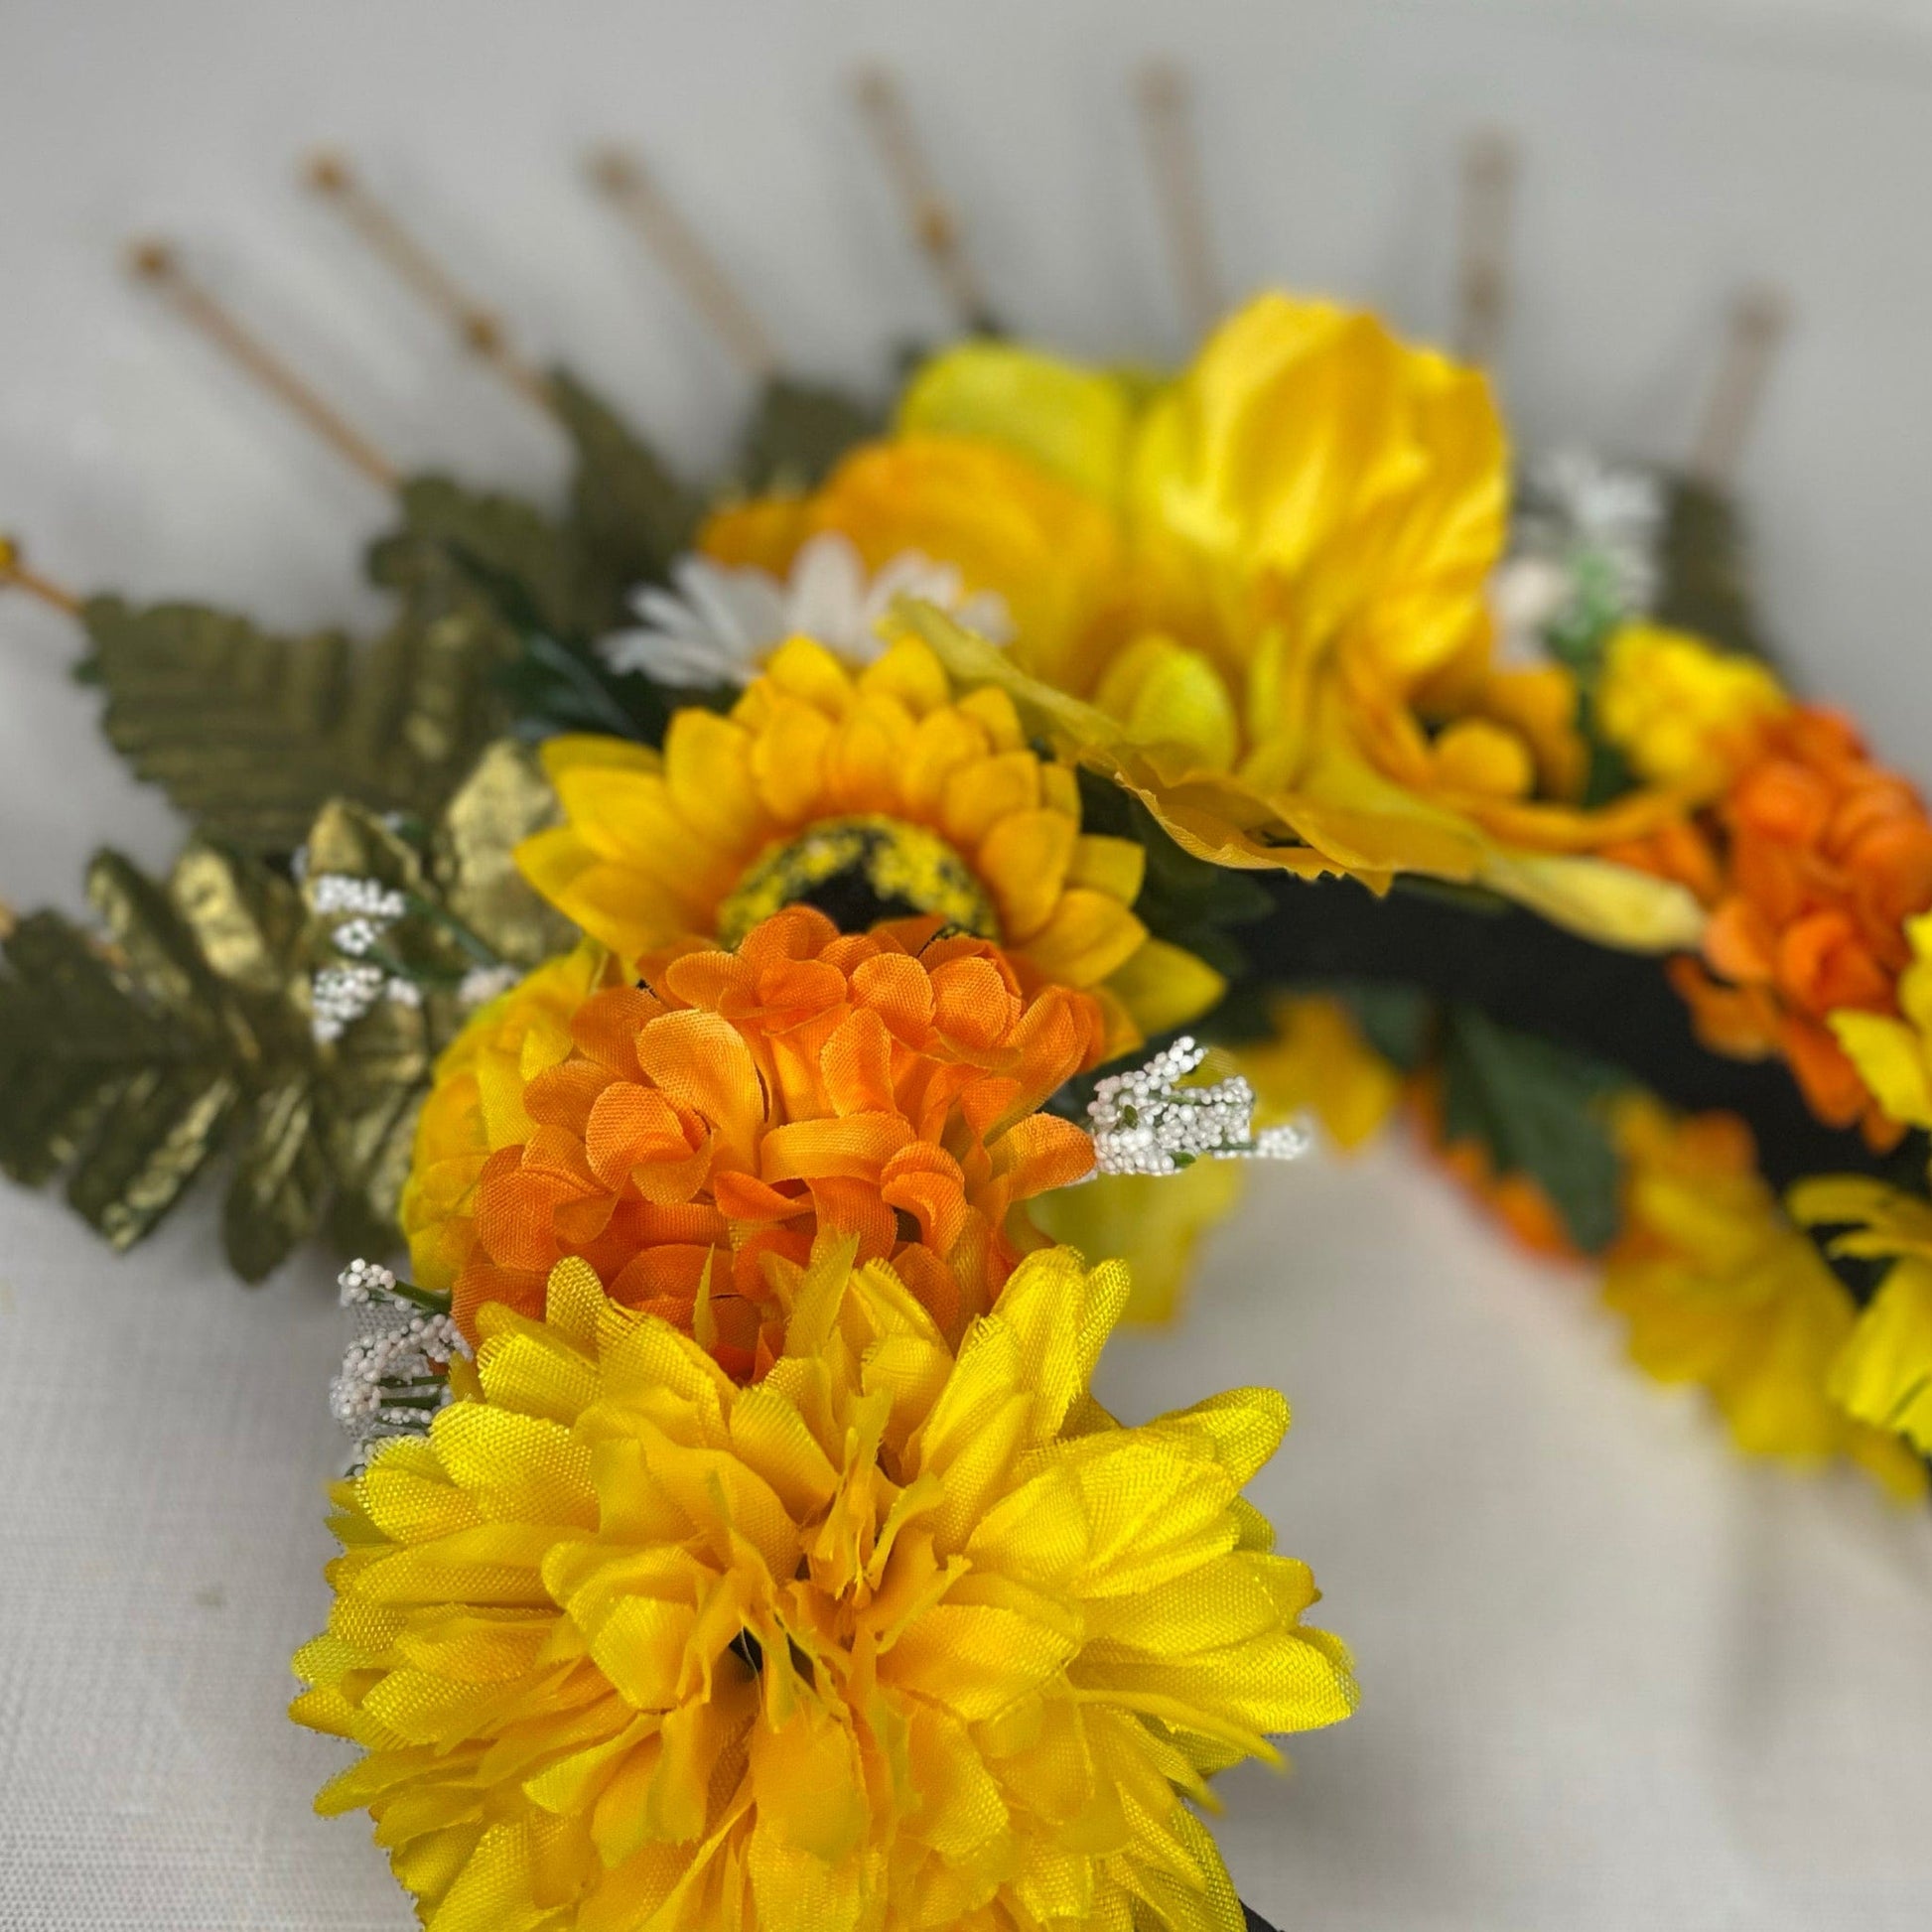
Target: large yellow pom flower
878	785
888	1640
1257	596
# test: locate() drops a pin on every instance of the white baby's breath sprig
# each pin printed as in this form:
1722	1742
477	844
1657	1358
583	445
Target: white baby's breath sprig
340	995
359	914
482	984
1145	1121
395	1373
1585	549
341	894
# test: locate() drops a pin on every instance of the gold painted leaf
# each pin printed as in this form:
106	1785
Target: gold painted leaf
134	1060
798	431
504	800
629	515
249	733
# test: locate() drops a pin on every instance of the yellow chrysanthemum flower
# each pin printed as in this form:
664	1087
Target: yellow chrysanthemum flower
1256	596
1884	1373
1681	711
1895	1055
888	1640
1720	1288
878	783
1155	1223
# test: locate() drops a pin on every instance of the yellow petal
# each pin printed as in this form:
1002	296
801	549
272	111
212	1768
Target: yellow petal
1884	1373
1166	694
1155	1223
1022	860
1071	421
1163	986
1890	1059
1088	937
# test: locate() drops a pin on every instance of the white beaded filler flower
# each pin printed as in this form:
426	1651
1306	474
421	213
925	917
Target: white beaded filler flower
395	1373
1144	1121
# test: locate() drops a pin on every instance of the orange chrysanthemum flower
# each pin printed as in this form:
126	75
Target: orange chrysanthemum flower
675	1132
1811	864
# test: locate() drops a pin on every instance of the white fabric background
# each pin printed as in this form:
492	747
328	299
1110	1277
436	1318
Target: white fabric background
1613	1675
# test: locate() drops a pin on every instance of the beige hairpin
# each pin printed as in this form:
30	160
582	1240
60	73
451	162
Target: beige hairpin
1490	168
929	215
478	327
1174	160
156	264
14	572
680	250
1759	317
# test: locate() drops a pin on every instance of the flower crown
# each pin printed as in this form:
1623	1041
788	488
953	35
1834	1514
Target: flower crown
748	943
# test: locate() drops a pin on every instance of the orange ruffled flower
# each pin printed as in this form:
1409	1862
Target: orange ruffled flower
675	1133
1816	859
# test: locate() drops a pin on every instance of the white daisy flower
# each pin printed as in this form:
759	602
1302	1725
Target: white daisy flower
716	625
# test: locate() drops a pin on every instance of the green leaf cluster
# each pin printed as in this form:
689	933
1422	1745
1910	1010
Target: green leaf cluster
1182	899
249	733
798	432
1538	1109
179	1037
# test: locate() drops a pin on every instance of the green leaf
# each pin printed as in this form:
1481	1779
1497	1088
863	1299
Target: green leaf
282	1178
504	800
798	432
1398	1021
529	567
249	733
1536	1109
1182	899
630	514
72	1035
1705	567
135	1062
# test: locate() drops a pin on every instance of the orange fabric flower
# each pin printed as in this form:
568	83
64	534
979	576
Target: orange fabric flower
730	1104
1811	863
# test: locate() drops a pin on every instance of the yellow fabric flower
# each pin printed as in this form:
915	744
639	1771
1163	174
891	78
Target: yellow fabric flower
1681	711
825	780
888	1640
476	1102
1155	1223
1257	596
1884	1373
1319	1062
1074	423
1895	1055
1720	1288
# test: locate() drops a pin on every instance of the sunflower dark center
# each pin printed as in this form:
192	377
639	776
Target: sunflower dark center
856	872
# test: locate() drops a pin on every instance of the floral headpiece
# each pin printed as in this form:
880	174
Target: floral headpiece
746	943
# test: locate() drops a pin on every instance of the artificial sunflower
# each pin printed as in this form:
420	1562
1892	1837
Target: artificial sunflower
869	792
899	1638
1257	596
681	1132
